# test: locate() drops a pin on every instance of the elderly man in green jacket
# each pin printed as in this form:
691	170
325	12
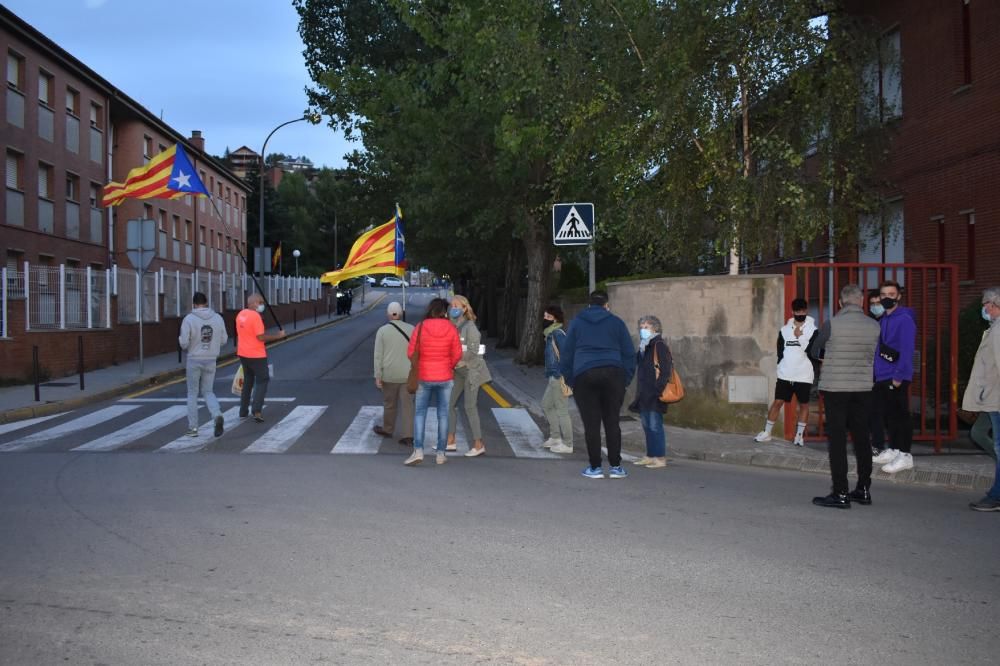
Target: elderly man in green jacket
846	345
392	366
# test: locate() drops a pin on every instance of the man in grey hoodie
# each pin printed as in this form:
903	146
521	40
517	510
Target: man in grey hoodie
202	335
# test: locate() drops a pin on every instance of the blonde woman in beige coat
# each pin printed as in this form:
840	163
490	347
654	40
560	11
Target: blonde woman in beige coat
983	392
470	374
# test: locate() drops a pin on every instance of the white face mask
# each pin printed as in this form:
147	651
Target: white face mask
260	308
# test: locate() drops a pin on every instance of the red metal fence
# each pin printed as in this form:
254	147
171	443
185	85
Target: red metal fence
931	290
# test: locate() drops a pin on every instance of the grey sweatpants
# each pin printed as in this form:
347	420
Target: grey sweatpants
200	378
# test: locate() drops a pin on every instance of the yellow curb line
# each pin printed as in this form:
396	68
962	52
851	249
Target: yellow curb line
492	392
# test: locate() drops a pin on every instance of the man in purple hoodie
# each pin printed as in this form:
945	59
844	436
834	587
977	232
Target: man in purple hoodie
893	374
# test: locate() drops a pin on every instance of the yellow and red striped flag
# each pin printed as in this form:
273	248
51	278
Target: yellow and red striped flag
375	251
168	175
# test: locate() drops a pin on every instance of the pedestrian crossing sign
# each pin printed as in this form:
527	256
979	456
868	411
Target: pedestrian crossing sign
573	224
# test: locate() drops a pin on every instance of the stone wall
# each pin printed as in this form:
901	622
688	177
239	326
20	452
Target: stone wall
722	332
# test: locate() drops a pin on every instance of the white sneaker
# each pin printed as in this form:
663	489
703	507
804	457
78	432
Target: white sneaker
901	462
762	436
800	440
441	459
886	457
415	458
561	448
550	442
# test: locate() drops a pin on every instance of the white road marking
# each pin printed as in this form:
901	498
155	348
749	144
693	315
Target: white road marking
281	437
81	423
17	425
185	444
522	433
359	436
201	401
134	431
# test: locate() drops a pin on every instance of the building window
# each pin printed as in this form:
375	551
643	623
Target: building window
95	196
72	102
187	231
96	117
147	212
966	44
44	181
15	71
161	148
890	76
177	227
45	88
163	220
147	148
72	187
970	236
13	174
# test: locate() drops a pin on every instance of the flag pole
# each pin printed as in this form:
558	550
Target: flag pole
246	264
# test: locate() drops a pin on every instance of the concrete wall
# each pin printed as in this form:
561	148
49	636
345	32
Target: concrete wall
722	332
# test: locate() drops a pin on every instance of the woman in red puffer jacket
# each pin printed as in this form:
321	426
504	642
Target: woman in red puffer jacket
439	351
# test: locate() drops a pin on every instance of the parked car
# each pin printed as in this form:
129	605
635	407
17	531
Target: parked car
369	280
391	281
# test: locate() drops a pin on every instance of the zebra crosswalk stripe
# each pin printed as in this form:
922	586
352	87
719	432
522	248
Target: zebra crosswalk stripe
17	425
138	430
185	444
359	436
81	423
523	436
281	437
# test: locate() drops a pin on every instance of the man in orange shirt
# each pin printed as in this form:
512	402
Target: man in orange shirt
253	356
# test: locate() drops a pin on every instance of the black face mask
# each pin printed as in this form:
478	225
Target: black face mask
546	323
888	303
799	318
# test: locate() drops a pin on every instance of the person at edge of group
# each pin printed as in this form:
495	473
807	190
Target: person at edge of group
554	403
598	362
202	335
470	374
795	371
876	419
875	309
654	363
439	353
983	391
846	347
391	370
250	339
893	374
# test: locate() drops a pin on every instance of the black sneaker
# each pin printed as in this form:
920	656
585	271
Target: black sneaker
985	504
243	414
834	501
218	425
258	417
860	495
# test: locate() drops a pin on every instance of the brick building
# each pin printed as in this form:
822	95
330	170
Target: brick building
66	131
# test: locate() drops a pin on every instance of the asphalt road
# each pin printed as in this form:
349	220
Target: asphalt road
130	557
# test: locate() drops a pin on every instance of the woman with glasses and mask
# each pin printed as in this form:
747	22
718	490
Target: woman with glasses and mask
654	364
470	374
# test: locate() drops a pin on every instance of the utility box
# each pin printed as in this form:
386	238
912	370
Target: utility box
752	389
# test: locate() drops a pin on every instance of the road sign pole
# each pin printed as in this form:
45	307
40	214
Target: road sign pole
592	262
139	275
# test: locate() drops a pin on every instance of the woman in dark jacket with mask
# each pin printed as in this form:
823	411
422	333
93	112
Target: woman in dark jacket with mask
650	382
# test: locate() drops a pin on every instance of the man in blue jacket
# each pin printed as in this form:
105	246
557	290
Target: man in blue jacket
893	374
598	361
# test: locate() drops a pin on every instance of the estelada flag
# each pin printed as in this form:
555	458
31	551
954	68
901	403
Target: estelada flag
377	251
168	175
276	258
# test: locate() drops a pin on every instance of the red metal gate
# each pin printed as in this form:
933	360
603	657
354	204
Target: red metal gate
932	291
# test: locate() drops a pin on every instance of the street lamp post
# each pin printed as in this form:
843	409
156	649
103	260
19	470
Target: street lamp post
296	254
313	118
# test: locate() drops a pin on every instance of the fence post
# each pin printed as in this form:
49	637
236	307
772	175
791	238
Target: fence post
107	298
79	356
295	320
156	295
177	283
62	296
114	279
3	302
27	297
34	372
209	290
90	310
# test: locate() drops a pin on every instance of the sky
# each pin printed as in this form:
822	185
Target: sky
230	68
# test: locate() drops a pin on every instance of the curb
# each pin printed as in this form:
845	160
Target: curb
49	408
779	460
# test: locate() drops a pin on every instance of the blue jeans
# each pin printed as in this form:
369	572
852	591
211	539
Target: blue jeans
656	436
995	420
442	392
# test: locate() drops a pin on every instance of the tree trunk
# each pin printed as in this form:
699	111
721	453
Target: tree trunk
539	259
507	312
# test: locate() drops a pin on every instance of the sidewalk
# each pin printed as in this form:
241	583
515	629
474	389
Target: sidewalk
964	468
63	394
